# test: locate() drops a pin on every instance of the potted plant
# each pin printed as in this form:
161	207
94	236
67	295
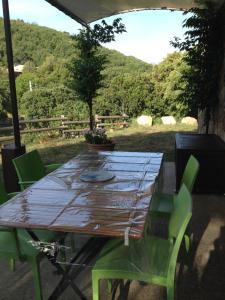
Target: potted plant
97	140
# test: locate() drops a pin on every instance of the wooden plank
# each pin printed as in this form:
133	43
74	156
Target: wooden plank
42	129
112	117
43	120
75	130
9	128
112	124
104	124
6	138
75	122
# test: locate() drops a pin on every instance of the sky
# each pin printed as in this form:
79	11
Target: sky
148	32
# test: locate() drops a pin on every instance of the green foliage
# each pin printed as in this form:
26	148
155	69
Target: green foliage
118	64
34	43
68	104
29	67
124	94
37	103
54	71
88	65
4	94
24	83
52	102
58	76
203	43
168	92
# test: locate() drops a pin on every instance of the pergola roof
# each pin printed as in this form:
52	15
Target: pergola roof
87	11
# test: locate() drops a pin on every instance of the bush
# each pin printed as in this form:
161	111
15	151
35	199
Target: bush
48	103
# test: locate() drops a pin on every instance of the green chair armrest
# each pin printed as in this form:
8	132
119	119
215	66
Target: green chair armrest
10	195
25	184
6	229
52	167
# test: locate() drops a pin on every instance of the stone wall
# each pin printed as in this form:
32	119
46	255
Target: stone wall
217	124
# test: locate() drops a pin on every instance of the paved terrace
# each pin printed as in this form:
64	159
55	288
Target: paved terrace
205	282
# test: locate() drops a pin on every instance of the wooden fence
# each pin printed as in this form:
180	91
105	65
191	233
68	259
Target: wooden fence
62	125
111	121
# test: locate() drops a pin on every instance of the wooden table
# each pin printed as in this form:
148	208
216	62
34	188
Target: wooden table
61	201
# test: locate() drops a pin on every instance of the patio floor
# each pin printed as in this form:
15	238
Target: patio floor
206	280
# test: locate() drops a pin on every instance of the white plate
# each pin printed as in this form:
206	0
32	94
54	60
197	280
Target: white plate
96	176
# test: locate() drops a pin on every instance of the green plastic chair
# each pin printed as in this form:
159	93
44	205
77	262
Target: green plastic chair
151	259
30	168
15	245
162	204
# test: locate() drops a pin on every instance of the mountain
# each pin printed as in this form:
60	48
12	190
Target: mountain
32	42
44	87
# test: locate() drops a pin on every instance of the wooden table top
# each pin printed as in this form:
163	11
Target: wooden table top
61	201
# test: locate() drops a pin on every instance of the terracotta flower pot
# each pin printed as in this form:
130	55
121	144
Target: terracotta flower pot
101	147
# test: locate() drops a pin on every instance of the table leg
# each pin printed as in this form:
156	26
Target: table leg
53	261
86	254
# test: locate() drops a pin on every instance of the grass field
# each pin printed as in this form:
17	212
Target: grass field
158	138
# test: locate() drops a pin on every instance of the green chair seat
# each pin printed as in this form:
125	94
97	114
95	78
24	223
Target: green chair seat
147	259
162	204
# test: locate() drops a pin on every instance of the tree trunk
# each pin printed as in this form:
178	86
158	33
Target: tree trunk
207	119
90	115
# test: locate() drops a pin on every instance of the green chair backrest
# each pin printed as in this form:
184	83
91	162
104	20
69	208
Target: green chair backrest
29	166
182	207
178	223
3	195
190	173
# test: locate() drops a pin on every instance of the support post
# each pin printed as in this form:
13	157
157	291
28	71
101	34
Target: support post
11	151
8	40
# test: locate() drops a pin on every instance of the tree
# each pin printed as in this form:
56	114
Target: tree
124	94
52	102
87	67
168	94
204	46
4	94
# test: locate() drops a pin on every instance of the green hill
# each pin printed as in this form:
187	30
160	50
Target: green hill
130	85
32	42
